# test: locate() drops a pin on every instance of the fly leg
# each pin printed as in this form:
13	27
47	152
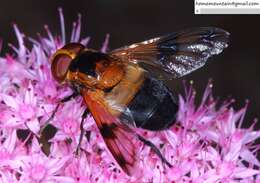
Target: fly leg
84	115
49	130
66	99
155	149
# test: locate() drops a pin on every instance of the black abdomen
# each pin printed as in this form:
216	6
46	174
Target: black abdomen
153	107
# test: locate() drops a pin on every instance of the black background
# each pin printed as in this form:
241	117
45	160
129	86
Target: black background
235	72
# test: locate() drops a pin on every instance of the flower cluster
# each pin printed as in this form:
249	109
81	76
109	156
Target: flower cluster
207	143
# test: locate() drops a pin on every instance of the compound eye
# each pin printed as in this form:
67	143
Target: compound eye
60	65
61	60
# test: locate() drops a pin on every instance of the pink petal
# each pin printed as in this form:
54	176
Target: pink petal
105	44
20	36
249	157
9	101
11	141
56	164
251	136
59	136
64	179
33	125
245	172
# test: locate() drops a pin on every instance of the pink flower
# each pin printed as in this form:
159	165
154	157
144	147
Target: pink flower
206	144
7	148
10	149
23	108
39	168
68	120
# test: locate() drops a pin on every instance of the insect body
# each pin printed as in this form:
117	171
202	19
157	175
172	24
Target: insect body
123	88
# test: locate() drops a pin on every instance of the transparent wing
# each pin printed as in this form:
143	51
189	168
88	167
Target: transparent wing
176	54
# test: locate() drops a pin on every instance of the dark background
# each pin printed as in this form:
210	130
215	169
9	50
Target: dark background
235	72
